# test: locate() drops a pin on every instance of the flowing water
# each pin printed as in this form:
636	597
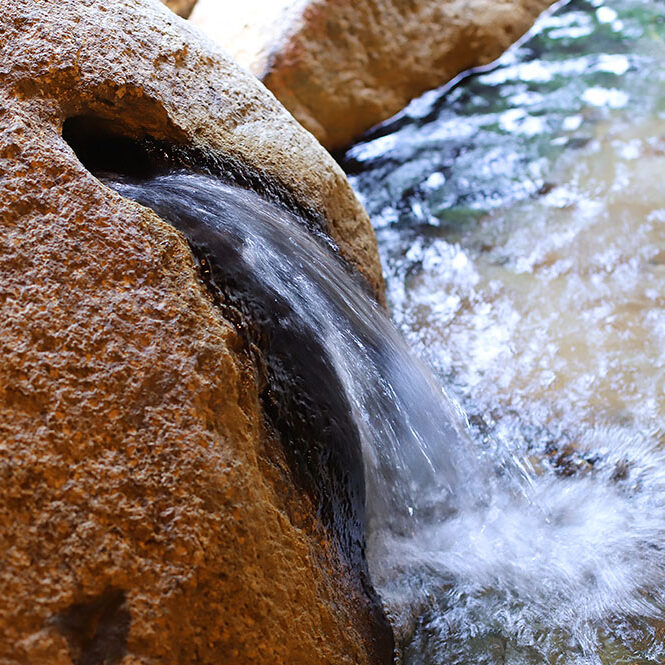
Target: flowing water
413	461
521	220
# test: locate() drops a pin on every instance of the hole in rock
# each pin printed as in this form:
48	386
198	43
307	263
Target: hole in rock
110	147
303	399
100	146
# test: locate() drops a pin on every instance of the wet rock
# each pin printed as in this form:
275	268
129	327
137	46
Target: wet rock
342	66
147	509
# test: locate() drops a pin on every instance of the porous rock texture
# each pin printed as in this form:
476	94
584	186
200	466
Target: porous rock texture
342	66
147	510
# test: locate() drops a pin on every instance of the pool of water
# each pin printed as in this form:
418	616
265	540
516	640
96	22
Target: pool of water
521	220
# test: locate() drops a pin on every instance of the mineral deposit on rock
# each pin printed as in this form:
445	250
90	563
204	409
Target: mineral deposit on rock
147	513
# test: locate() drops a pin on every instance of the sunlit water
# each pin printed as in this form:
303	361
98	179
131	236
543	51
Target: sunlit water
415	440
521	220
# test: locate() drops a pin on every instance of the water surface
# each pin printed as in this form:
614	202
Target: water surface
521	220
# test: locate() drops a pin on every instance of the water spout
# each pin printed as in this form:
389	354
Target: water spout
413	436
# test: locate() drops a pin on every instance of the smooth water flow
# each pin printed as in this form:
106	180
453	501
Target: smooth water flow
415	443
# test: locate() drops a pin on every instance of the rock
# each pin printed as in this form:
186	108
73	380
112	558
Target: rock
342	66
147	508
180	7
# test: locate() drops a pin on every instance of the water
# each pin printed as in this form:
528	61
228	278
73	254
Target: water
521	222
413	461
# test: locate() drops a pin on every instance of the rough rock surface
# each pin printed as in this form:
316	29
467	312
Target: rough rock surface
147	513
342	66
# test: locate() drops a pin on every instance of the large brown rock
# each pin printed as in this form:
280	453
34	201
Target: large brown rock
147	509
342	66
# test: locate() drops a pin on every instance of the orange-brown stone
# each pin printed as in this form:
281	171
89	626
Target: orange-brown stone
147	513
342	66
181	7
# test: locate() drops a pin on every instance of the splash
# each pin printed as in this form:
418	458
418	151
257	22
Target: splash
523	241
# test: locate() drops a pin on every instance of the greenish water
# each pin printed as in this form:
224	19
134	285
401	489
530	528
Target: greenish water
521	220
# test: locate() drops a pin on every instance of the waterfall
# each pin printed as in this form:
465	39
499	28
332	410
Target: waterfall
414	441
469	553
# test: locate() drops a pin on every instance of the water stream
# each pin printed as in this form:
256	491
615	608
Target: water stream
414	462
521	220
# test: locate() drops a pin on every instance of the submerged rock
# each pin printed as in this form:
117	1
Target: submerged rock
148	511
343	66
